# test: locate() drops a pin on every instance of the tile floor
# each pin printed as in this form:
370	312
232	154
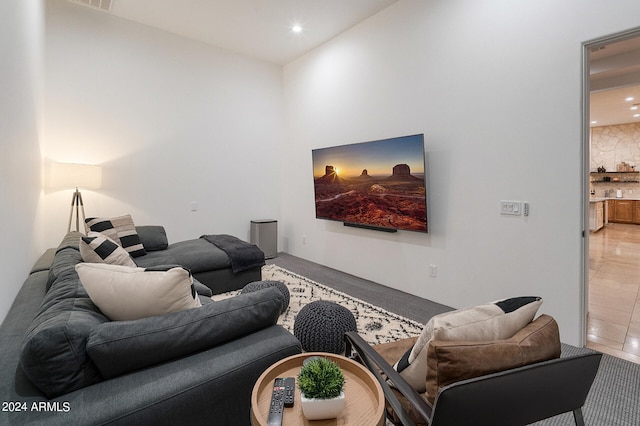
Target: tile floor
613	324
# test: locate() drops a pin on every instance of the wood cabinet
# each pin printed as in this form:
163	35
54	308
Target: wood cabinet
611	210
624	211
636	212
596	215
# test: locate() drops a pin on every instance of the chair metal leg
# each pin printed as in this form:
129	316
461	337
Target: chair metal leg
577	416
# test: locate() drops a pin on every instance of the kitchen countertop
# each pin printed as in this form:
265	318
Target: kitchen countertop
598	199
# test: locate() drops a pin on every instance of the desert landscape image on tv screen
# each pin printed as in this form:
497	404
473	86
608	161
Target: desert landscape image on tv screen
378	184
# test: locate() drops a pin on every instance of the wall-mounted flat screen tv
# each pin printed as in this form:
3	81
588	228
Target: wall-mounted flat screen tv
378	184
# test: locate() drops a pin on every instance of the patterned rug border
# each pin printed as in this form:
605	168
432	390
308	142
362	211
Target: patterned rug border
331	290
375	324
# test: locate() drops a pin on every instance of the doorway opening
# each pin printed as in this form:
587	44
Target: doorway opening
611	176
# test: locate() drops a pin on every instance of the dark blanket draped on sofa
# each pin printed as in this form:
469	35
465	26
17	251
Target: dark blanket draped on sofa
243	255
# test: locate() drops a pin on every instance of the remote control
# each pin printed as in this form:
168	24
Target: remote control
289	391
277	403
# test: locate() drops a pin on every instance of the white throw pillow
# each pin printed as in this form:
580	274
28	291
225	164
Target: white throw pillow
98	248
493	321
124	293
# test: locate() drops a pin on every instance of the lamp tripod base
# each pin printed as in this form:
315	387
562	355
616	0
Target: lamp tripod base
78	206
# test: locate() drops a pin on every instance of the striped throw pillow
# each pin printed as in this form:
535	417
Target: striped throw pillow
120	229
97	248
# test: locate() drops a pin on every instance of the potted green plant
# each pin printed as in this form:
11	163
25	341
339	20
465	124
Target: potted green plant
321	384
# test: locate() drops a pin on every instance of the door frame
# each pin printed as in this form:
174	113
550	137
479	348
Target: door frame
586	164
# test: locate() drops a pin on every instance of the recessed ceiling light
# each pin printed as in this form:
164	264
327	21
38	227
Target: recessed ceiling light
636	115
594	122
296	28
629	99
634	107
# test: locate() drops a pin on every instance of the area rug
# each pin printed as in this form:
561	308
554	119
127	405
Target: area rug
375	325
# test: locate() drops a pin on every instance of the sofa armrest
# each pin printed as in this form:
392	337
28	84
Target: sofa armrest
45	261
202	289
118	347
377	365
215	383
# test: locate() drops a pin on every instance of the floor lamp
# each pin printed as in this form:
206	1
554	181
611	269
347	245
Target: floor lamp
69	175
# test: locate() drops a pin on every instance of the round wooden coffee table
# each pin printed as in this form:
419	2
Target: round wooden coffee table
364	403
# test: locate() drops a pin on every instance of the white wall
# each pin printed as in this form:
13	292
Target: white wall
175	121
172	121
21	44
482	81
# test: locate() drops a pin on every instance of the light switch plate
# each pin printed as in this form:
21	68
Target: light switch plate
510	208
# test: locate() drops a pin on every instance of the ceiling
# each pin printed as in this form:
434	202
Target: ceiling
614	77
263	29
257	28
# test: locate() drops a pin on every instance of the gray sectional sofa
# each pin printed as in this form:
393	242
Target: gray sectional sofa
63	362
208	263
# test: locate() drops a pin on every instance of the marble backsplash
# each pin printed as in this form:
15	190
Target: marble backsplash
612	145
605	190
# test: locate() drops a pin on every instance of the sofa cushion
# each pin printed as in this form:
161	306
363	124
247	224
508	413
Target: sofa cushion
120	229
98	248
497	320
67	254
452	361
153	237
199	255
119	347
159	257
53	354
125	293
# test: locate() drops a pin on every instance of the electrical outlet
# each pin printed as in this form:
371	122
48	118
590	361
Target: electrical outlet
194	206
433	271
304	240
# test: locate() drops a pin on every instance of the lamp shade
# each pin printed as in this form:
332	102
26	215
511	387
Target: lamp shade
69	175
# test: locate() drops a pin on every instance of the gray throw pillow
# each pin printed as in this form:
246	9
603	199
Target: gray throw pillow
153	237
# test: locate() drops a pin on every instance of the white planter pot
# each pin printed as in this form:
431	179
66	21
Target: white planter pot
318	409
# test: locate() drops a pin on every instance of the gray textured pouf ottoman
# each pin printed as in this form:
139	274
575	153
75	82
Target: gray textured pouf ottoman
320	326
259	285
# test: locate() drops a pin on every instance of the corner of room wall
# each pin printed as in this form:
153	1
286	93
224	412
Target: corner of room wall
21	41
188	134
